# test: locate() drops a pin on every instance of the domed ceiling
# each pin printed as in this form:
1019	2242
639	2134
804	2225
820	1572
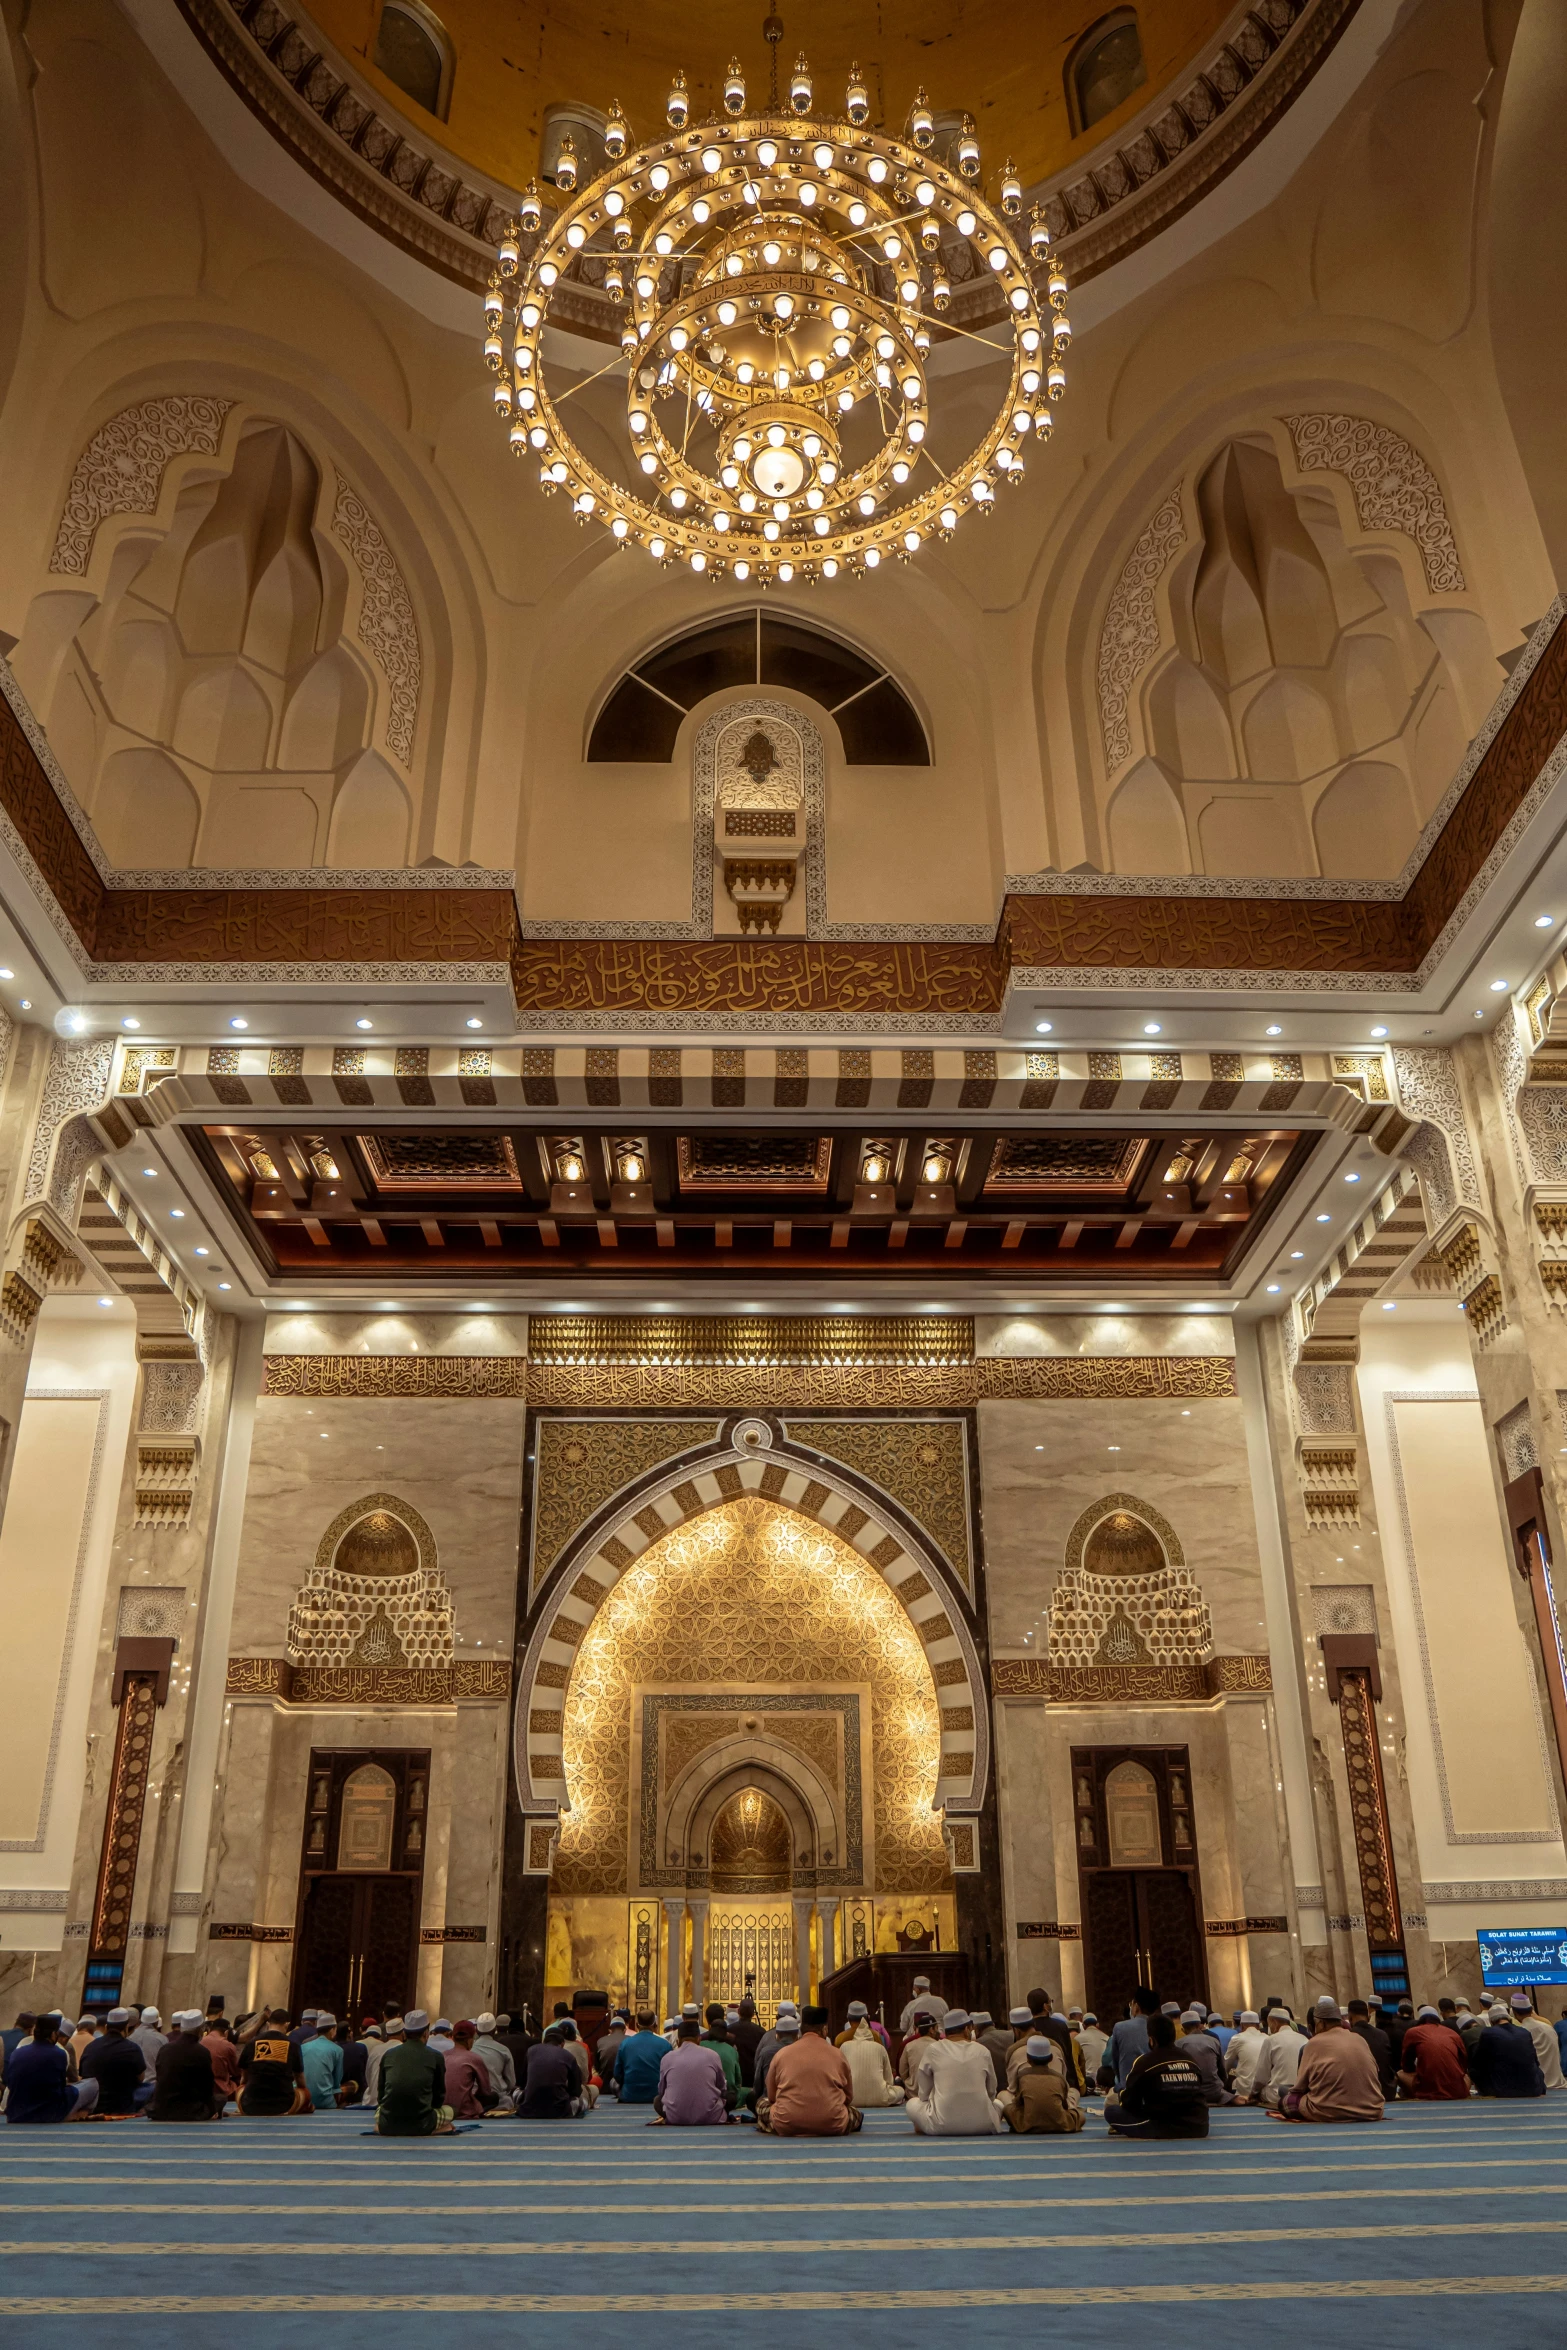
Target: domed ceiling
985	57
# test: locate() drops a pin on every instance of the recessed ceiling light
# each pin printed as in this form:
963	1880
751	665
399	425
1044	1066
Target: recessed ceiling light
388	1307
1379	1032
1296	1254
363	1024
1273	1030
476	1024
1324	1219
149	1170
1044	1027
1352	1179
6	972
27	1003
106	1301
1479	1013
239	1023
1153	1028
1112	1448
1500	986
202	1252
176	1211
1541	922
1389	1306
225	1284
1273	1289
130	1023
75	1022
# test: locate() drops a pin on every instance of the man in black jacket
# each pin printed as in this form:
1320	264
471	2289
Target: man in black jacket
1377	2041
1506	2062
1162	2096
747	2035
552	2091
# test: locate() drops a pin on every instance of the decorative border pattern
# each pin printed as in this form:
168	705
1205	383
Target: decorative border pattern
1496	1889
122	467
467	1678
1394	488
388	629
804	1388
1218	1676
100	1395
1433	1711
1129	635
488	1378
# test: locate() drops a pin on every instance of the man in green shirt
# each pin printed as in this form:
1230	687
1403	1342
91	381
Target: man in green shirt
717	2038
412	2086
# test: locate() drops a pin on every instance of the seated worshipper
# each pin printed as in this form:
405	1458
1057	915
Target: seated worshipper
1199	2044
1129	2038
496	2059
150	2035
1162	2096
375	2056
1396	2021
218	2040
1376	2040
577	2050
1276	2065
1546	2045
637	2061
118	2066
955	2085
552	2082
924	2002
1431	2059
38	2083
1247	2043
784	2034
747	2034
870	2067
468	2090
412	2084
87	2031
767	2046
1505	2062
1091	2045
185	2089
923	2036
323	2059
1336	2079
717	2038
356	2063
607	2047
272	2071
1038	2095
998	2039
810	2090
693	2087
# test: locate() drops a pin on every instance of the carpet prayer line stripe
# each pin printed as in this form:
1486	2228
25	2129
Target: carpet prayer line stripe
467	2209
333	2248
592	2304
727	2177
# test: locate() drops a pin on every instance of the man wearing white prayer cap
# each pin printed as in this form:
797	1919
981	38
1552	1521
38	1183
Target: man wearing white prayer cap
870	2067
116	2063
376	2053
149	2035
1240	2058
412	2085
924	2002
955	2084
496	2058
184	2088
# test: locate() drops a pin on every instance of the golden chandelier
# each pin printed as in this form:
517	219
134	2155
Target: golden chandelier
781	278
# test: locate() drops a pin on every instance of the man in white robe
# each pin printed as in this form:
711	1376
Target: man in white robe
1279	2061
924	2002
955	2086
870	2067
1243	2054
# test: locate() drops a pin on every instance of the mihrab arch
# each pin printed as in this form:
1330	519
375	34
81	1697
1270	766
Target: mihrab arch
753	1458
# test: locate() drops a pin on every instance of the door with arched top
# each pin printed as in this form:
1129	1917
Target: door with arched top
357	1938
1137	1875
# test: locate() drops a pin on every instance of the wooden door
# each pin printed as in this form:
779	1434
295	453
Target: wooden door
1137	1875
356	1937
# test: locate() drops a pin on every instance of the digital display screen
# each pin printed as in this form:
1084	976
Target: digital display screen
1513	1956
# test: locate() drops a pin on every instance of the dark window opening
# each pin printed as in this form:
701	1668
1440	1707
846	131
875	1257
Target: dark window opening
412	50
640	721
1105	68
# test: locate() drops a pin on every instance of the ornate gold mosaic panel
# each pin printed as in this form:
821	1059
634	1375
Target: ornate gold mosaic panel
922	1463
749	1595
580	1463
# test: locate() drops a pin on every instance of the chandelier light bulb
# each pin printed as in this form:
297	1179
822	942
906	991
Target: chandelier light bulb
566	163
508	253
876	170
857	102
766	153
968	150
858	214
492	351
677	106
658	178
530	212
617	134
656	549
1011	191
800	87
734	91
922	123
821	156
712	160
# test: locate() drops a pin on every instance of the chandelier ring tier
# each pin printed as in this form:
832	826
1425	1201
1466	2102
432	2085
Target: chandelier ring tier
782	281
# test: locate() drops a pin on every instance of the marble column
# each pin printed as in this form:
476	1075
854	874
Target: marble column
802	1945
674	1952
827	1911
699	1948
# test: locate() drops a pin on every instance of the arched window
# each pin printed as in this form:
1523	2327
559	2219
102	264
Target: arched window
414	50
1105	68
364	1837
1132	1817
641	718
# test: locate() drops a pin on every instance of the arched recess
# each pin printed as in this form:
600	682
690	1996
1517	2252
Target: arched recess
1125	1595
690	1809
752	1457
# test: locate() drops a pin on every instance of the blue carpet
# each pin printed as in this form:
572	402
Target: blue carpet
1437	2226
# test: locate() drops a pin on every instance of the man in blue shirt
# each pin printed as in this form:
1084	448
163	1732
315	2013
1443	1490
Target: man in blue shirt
37	2078
1129	2040
637	2061
323	2061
